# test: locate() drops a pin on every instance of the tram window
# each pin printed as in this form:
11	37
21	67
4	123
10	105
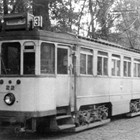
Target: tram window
82	63
90	64
136	68
47	58
10	58
62	61
127	67
99	65
102	64
29	47
86	61
115	65
29	63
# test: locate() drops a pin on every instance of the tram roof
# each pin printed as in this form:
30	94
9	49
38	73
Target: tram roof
38	35
67	38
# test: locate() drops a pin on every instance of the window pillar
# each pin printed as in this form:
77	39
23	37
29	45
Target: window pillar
122	63
132	67
95	62
109	64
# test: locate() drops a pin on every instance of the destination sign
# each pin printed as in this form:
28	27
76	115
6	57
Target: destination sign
18	21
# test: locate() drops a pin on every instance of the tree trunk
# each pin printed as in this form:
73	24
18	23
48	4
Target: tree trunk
41	8
5	7
91	31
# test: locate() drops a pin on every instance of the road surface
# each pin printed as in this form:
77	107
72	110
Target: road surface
121	128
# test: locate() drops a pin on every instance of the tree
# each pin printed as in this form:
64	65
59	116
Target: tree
35	7
21	6
5	3
16	6
62	13
100	20
41	8
104	18
128	25
113	20
93	12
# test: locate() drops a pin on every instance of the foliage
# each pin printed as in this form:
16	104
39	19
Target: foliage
17	6
128	25
100	15
63	14
42	8
113	20
105	18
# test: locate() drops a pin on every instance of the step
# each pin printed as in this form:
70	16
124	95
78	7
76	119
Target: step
63	117
66	126
91	125
133	114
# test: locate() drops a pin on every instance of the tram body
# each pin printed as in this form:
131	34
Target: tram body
119	90
35	93
65	80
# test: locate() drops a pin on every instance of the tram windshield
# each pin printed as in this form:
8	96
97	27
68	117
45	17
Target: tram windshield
10	58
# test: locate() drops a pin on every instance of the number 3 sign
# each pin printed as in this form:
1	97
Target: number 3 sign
38	21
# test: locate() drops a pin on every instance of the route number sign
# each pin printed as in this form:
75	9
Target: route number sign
37	21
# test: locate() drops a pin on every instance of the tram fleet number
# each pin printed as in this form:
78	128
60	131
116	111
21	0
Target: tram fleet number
10	87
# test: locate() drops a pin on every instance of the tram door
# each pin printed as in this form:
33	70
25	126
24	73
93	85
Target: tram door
64	72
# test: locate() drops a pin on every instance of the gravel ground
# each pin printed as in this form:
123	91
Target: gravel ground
119	129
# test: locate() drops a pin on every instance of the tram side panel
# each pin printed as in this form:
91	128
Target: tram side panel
45	101
62	91
53	92
120	95
99	90
92	90
27	94
136	89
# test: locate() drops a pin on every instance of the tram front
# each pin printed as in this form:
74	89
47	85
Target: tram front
35	74
19	70
17	81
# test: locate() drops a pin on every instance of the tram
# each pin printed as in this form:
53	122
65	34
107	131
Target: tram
60	81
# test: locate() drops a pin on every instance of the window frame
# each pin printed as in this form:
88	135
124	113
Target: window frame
103	55
127	60
20	62
54	59
87	52
136	73
29	50
116	58
62	46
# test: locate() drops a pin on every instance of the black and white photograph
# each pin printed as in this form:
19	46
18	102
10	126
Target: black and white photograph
69	69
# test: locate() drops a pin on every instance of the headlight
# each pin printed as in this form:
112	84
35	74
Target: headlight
9	98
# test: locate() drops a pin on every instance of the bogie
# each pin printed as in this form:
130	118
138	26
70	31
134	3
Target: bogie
92	114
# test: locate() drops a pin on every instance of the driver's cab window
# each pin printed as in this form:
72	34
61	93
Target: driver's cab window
47	58
29	58
62	61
